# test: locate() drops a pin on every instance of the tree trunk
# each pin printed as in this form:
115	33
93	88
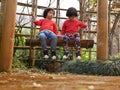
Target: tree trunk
112	33
7	27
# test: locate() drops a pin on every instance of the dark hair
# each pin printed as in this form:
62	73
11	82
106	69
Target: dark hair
71	12
46	11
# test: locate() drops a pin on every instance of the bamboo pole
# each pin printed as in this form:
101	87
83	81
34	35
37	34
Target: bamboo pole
7	27
57	11
81	12
102	37
119	43
33	34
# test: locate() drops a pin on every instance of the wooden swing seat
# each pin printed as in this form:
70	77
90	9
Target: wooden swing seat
84	43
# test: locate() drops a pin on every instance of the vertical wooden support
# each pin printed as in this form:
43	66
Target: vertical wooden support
89	28
81	6
109	11
102	37
33	34
118	39
57	11
7	29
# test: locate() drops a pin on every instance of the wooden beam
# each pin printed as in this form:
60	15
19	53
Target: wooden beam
84	43
102	37
7	27
22	35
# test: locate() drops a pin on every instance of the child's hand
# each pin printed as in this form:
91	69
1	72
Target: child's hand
33	15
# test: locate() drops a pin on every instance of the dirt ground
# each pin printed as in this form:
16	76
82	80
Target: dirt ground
43	81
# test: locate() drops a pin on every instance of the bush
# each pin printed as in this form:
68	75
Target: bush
107	68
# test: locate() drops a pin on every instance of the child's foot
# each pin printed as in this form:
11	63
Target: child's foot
78	57
53	57
53	54
45	52
46	56
65	56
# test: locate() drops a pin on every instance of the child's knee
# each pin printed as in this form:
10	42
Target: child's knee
42	36
77	39
54	37
65	38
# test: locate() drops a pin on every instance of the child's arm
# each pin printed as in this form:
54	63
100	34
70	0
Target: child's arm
63	29
55	29
36	22
82	25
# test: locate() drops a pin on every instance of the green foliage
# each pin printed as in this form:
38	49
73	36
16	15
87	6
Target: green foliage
93	1
37	31
20	41
86	55
117	56
21	54
18	64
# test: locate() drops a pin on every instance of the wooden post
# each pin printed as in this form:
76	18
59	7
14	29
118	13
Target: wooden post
81	7
57	11
7	27
33	34
102	38
109	29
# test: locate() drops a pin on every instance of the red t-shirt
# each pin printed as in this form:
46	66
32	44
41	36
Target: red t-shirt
46	24
72	26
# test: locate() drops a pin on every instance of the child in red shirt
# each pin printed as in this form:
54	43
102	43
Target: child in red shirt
48	30
70	31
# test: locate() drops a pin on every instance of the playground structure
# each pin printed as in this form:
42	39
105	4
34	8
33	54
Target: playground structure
7	20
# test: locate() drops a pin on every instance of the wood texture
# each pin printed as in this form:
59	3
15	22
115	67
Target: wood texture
84	43
102	37
7	28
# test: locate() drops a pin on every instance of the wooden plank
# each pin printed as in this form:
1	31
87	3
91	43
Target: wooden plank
84	43
21	47
86	31
22	35
43	7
